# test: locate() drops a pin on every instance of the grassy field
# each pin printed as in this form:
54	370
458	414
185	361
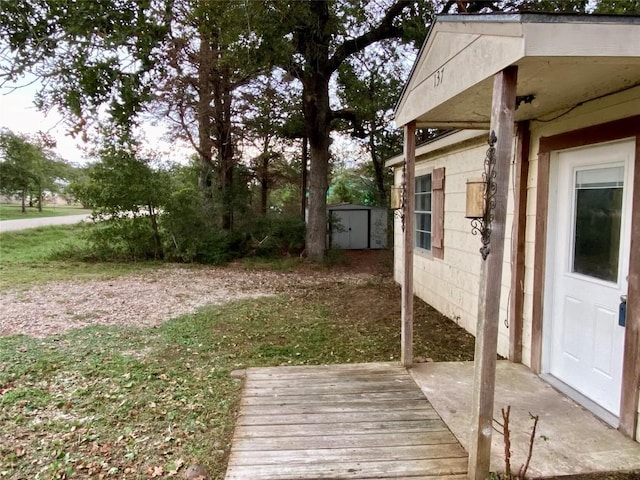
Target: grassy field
132	403
33	256
13	212
138	403
114	402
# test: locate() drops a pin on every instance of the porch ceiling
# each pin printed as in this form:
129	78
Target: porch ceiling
562	61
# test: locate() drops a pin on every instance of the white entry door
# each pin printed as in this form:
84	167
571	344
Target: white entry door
589	263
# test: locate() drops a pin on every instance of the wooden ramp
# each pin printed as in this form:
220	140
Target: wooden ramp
340	422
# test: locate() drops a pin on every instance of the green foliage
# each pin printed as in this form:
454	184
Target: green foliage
371	85
555	6
121	239
29	168
190	230
94	53
122	185
276	236
618	7
126	194
74	191
351	186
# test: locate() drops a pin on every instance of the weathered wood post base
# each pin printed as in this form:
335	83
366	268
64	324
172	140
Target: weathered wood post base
502	123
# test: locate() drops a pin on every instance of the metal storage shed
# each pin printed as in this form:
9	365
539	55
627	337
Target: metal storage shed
356	227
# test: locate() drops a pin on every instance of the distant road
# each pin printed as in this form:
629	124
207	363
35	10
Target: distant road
22	224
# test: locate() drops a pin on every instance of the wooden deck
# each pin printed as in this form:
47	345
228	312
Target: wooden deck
340	422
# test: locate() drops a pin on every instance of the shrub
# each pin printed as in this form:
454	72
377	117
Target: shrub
122	238
190	232
273	236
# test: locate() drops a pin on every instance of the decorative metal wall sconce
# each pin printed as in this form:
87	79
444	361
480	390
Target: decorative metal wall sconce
481	198
399	196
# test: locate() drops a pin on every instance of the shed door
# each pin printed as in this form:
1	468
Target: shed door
351	229
590	264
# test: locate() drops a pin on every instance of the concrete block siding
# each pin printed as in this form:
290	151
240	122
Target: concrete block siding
451	285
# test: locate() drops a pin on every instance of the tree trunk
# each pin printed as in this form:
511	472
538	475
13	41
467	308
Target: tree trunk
24	200
156	233
318	123
222	122
378	167
214	123
303	183
226	163
204	113
264	183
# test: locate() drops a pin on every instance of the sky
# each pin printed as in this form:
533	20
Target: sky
19	114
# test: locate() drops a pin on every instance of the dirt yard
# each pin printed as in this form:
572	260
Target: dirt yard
149	299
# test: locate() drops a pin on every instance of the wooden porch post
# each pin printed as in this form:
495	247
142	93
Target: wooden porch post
516	306
631	364
406	354
502	123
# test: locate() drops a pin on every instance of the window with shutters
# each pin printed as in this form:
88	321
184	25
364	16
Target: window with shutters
423	212
429	213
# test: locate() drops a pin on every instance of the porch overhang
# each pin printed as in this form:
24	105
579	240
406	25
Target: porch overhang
563	61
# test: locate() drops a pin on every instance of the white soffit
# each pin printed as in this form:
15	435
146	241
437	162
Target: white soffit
562	60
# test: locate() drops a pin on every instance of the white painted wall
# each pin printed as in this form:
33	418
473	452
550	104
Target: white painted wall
378	228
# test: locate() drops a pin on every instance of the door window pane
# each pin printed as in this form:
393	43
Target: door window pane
598	212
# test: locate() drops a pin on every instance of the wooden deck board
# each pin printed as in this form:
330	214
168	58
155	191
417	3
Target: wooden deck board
336	417
354	454
278	399
360	440
357	405
340	422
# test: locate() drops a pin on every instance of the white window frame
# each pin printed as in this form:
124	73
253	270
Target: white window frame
419	213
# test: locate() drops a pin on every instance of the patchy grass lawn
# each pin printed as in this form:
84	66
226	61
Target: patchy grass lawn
32	256
134	403
14	212
105	402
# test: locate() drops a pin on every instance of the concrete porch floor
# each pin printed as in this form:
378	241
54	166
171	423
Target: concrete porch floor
576	441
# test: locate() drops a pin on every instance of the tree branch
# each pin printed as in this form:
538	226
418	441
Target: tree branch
352	117
469	6
384	30
295	70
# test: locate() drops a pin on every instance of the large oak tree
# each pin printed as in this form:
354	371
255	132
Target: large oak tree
311	41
